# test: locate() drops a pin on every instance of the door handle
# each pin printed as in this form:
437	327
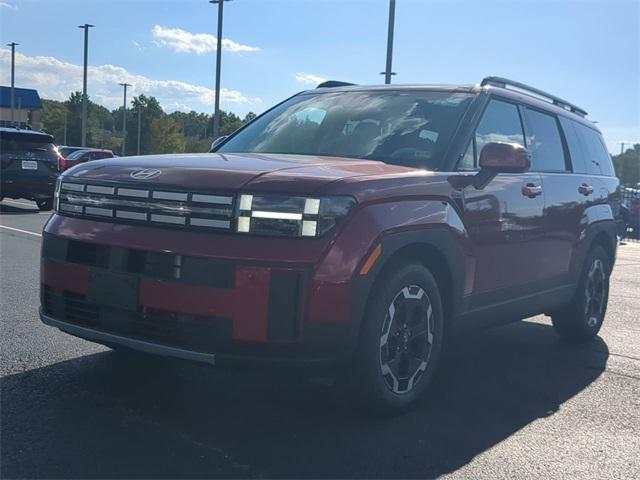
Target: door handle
531	190
585	189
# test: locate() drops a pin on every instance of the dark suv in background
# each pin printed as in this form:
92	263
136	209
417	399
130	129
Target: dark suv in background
29	166
348	227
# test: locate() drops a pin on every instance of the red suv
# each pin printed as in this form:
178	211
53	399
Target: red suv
348	227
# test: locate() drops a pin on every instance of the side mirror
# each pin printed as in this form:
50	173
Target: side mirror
501	157
217	142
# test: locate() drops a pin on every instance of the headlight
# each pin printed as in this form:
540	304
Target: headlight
56	195
291	216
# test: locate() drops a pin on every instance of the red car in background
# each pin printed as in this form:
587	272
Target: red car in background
83	155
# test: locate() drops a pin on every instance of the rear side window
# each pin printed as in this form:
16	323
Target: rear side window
596	157
576	151
500	123
544	142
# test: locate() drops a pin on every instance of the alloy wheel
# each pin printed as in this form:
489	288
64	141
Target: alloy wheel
595	292
406	339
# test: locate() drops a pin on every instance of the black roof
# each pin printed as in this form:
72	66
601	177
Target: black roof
22	131
506	86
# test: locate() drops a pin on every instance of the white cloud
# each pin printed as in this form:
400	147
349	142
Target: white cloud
309	79
182	41
177	106
8	5
55	79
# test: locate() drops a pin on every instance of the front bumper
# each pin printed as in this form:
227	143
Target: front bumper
204	297
213	359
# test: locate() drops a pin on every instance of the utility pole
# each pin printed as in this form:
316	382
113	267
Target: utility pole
216	111
66	113
86	28
392	14
124	117
621	147
139	125
13	80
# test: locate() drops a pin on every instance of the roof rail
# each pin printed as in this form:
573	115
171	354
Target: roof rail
504	82
334	83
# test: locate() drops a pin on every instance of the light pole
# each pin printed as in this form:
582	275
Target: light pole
13	80
66	114
139	125
392	15
622	144
124	117
86	28
216	111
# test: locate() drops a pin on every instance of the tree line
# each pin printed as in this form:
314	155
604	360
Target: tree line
627	166
186	132
160	132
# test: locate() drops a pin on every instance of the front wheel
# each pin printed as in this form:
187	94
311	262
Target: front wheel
45	204
401	339
582	318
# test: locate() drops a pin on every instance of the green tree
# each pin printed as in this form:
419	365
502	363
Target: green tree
196	145
100	123
166	136
150	110
248	117
100	127
53	113
104	127
229	122
627	166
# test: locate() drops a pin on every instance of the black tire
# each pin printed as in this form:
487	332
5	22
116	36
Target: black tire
412	332
582	318
45	204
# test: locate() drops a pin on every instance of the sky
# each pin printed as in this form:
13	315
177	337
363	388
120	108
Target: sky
587	52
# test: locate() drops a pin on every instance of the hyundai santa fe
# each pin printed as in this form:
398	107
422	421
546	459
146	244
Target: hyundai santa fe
351	228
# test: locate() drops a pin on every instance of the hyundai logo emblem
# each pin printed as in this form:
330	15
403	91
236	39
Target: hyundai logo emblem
145	174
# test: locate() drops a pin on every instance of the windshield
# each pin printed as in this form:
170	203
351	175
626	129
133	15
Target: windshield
410	128
66	151
75	154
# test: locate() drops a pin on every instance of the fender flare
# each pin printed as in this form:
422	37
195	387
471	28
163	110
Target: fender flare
598	222
441	239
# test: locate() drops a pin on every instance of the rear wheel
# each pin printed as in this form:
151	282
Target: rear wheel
45	204
583	317
401	339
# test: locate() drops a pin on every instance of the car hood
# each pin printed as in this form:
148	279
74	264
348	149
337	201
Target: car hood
214	171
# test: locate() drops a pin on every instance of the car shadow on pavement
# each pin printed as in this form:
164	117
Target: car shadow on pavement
116	415
11	210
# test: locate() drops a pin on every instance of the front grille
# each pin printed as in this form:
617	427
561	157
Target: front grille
191	332
71	307
152	206
203	271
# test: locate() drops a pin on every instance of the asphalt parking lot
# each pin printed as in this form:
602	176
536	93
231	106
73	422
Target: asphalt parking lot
513	402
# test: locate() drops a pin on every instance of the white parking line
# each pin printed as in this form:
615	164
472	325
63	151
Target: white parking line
21	231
